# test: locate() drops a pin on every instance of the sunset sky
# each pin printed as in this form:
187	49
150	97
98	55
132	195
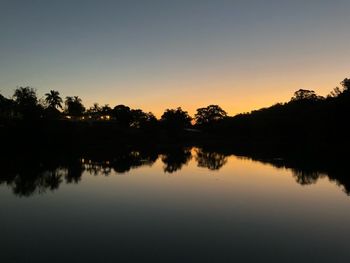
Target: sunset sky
158	54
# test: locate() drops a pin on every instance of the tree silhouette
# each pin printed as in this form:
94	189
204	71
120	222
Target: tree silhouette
122	115
54	102
345	89
25	96
306	119
27	102
74	106
95	108
346	84
176	119
94	111
53	99
335	92
106	109
209	115
6	108
141	119
304	95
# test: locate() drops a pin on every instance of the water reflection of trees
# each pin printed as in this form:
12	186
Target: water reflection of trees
37	175
27	185
175	158
119	163
307	171
306	177
32	176
210	160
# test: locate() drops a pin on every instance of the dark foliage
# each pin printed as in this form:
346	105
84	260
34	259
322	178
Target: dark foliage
209	115
53	99
26	103
74	106
122	114
307	119
175	119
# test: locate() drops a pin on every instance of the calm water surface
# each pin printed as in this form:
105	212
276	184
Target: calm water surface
180	206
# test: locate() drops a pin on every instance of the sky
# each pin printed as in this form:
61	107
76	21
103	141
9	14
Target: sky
159	54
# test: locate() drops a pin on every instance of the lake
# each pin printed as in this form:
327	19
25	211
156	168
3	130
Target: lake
177	205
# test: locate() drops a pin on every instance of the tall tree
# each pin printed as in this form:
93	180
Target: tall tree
53	99
346	86
209	115
176	119
74	106
25	96
142	119
346	83
122	115
305	95
27	103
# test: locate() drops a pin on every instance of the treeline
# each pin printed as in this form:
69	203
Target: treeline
25	105
307	117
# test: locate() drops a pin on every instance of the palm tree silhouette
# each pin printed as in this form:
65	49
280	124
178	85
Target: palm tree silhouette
53	99
74	106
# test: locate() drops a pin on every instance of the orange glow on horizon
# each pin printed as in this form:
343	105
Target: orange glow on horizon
232	103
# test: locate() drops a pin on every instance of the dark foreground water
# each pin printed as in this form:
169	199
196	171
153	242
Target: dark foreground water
186	205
